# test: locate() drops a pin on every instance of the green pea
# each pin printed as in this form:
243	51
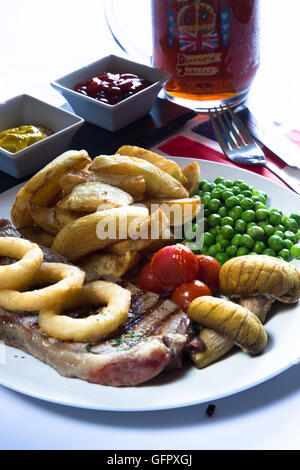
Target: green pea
227	221
246	193
295	250
269	252
256	232
205	224
227	232
214	205
212	250
252	253
242	251
241	197
248	216
231	202
238	183
290	236
226	194
236	239
285	254
287	243
202	183
205	199
222	241
279	233
207	212
236	212
235	190
269	230
291	224
296	216
231	251
275	243
228	183
204	250
279	227
261	213
277	211
259	247
214	219
208	186
222	257
212	230
247	203
246	241
298	235
275	218
260	205
244	187
209	238
217	229
240	226
219	180
251	224
263	223
223	211
216	193
219	247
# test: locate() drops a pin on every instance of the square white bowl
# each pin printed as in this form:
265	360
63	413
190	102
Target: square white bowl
111	117
27	110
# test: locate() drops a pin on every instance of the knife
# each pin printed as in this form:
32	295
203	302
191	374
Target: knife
271	136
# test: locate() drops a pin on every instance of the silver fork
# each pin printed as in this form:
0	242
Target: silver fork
239	146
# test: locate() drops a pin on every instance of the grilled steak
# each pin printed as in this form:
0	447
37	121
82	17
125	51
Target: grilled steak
152	339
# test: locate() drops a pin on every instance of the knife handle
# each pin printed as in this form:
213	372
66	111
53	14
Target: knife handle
283	177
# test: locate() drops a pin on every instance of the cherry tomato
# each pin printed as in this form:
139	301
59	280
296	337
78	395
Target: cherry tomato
174	265
183	295
208	271
148	281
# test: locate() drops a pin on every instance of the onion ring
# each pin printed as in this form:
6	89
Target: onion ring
68	281
95	326
17	275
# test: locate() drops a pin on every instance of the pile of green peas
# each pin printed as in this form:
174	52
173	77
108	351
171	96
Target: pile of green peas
237	222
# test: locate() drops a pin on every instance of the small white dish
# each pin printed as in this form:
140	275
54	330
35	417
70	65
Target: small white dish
111	117
27	110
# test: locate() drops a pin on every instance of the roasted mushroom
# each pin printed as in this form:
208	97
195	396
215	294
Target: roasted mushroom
236	323
256	281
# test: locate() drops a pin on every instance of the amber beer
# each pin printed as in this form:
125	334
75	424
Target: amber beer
210	48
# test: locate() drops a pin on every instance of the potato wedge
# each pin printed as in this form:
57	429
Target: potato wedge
93	196
192	174
163	163
43	187
70	179
152	230
158	182
37	235
65	217
97	230
109	264
45	218
134	185
178	211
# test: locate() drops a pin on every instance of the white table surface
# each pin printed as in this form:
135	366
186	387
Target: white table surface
40	41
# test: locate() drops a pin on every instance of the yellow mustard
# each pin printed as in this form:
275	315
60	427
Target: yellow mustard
18	138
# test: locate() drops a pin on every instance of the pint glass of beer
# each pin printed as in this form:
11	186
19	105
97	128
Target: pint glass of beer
210	49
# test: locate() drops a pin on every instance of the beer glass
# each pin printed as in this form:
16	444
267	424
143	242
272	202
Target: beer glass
209	48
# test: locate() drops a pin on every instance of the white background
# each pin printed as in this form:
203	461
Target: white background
41	41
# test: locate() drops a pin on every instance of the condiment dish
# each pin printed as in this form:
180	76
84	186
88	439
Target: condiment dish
26	109
111	117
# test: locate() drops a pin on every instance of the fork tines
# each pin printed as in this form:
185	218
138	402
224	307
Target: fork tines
225	122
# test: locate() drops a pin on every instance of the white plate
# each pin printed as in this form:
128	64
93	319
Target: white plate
188	386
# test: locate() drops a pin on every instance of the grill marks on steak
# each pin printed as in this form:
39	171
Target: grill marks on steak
152	339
